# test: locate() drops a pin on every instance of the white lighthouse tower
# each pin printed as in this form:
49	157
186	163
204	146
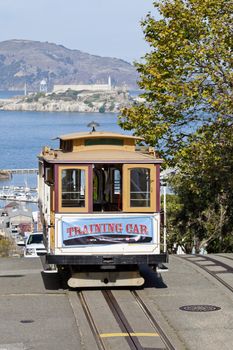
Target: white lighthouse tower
43	86
109	83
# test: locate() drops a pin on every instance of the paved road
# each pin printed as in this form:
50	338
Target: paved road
186	284
36	314
31	316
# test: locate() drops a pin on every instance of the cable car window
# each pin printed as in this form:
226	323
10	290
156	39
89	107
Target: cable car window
73	188
100	141
140	187
107	187
117	182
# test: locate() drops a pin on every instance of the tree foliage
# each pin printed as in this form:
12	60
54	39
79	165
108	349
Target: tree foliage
187	75
6	246
187	79
204	185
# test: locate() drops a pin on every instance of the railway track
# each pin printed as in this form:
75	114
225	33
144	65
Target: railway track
217	267
119	320
225	257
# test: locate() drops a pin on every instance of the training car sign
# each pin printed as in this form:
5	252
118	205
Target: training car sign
83	231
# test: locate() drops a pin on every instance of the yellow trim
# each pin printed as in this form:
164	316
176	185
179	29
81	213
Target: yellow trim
72	209
126	188
79	144
52	230
52	198
109	335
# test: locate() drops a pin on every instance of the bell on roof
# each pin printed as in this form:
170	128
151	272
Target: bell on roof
93	125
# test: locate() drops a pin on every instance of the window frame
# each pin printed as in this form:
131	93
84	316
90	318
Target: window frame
126	188
84	209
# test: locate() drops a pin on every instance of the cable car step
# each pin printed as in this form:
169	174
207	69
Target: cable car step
106	279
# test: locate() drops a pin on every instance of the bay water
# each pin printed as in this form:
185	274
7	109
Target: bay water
23	134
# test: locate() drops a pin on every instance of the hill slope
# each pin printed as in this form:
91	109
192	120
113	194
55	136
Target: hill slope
31	61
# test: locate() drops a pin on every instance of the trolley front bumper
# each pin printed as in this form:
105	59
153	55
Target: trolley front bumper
107	260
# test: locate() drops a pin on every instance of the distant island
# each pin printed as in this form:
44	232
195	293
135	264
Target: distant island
70	101
27	63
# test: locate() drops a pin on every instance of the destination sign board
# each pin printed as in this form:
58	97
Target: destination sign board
83	231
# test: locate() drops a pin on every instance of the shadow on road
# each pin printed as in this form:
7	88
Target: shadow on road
52	281
152	279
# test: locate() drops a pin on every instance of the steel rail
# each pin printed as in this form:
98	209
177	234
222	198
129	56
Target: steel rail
127	330
152	320
133	342
91	321
212	273
225	257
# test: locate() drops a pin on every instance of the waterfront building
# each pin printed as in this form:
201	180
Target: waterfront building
13	218
86	87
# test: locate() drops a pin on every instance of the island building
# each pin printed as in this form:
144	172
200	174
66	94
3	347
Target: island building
86	87
43	86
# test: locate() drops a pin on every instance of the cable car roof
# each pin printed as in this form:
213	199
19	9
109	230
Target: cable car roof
98	134
100	156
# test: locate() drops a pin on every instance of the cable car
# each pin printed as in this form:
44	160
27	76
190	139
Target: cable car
99	199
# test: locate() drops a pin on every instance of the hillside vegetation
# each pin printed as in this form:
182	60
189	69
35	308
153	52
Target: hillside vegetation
26	61
70	101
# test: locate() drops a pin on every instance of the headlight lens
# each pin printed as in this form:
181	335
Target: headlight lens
30	251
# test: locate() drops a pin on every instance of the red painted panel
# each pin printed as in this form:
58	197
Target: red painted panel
157	188
56	187
90	189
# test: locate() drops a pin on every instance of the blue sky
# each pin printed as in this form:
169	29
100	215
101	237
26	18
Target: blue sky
102	27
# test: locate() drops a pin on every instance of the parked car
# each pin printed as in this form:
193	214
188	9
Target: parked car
34	245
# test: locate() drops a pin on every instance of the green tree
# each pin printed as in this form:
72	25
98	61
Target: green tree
102	109
187	76
204	185
6	246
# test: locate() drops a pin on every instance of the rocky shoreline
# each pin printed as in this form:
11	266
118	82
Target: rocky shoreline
4	175
86	101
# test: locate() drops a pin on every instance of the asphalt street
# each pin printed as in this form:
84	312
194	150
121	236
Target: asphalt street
35	311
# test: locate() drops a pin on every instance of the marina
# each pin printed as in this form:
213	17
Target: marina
18	171
18	161
18	194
